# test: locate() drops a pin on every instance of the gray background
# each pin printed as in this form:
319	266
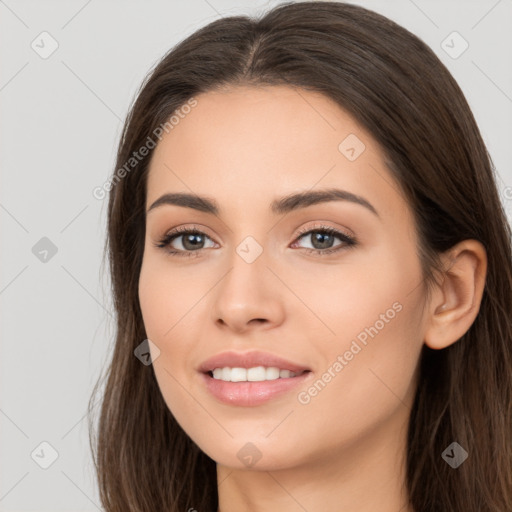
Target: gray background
61	117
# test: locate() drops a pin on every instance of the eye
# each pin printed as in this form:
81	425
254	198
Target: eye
322	239
189	241
192	241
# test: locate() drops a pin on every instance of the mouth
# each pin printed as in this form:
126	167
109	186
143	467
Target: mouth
251	393
252	377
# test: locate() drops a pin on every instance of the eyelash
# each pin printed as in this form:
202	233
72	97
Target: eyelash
349	241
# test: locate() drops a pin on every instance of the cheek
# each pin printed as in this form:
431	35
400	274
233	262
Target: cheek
166	294
363	386
373	380
375	312
350	297
174	311
166	298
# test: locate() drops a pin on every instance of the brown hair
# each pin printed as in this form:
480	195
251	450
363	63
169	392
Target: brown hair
397	88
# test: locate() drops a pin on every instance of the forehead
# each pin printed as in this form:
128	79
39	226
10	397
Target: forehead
246	142
274	121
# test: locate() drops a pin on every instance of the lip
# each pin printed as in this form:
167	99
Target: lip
249	360
250	394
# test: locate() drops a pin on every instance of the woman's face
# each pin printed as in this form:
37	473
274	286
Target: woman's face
262	274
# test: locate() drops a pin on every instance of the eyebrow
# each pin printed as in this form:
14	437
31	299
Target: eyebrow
279	206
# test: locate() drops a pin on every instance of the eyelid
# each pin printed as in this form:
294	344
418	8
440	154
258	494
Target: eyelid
187	228
172	234
321	226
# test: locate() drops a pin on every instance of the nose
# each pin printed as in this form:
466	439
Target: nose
248	297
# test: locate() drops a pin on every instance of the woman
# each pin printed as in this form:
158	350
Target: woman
306	241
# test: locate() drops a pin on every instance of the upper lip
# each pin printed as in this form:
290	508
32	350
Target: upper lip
249	360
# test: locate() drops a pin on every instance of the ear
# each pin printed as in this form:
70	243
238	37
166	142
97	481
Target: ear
455	302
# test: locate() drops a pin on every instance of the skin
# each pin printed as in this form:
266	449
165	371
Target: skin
345	449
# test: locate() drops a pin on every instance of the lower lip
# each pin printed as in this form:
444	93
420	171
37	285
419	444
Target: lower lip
249	394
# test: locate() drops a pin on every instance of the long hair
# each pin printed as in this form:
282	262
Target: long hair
396	87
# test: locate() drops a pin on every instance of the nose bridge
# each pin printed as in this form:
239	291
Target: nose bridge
248	290
247	266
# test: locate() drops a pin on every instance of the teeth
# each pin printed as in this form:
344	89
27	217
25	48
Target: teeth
255	374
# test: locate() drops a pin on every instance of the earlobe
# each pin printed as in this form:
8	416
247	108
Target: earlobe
456	301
